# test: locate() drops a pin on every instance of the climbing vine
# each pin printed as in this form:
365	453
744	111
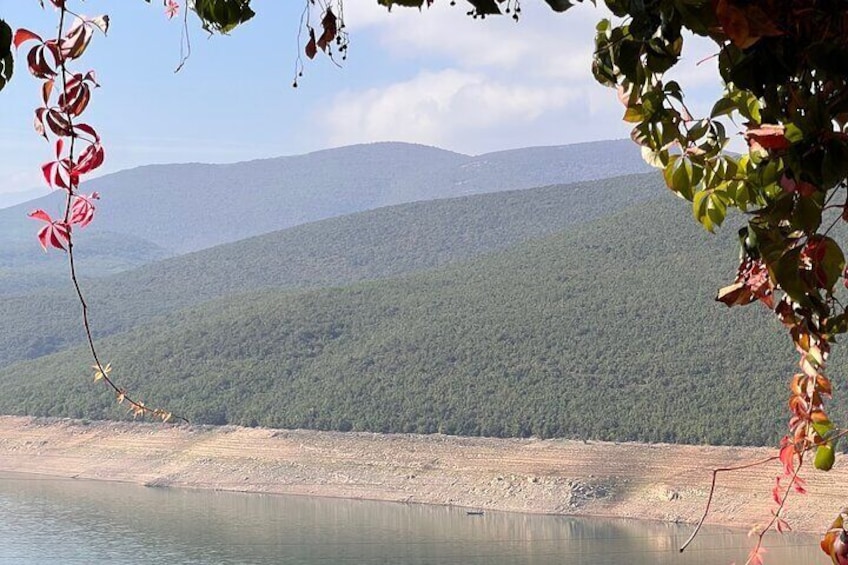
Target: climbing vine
77	151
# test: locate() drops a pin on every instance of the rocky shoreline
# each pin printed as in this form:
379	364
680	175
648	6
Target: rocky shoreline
626	480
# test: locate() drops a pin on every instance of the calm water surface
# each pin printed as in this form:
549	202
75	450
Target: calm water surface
56	521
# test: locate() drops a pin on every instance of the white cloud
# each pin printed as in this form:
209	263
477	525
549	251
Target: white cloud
469	112
492	84
493	81
541	43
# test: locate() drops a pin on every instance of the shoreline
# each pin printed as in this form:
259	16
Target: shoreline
657	482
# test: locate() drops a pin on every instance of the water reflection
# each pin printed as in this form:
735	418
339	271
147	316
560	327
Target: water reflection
51	521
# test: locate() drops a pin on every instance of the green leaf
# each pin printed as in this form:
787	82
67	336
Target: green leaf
723	107
682	179
823	428
700	209
833	262
717	207
793	133
222	16
837	324
825	457
634	114
786	272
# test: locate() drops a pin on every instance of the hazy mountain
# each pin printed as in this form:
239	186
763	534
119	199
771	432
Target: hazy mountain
369	245
188	207
11	198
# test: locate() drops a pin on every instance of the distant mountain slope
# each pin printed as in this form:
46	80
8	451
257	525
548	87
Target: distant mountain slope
25	267
194	206
606	331
369	245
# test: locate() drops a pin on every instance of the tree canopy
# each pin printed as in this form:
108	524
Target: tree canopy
784	66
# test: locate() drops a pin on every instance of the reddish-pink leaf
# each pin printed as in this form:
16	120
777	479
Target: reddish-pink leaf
90	158
24	35
756	556
38	122
37	62
54	234
775	492
82	211
76	41
58	123
171	8
87	129
787	456
40	215
767	136
49	171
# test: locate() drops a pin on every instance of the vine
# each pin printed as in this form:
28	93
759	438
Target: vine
78	151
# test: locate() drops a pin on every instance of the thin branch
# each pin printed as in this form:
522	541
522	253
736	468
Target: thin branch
185	42
715	473
712	492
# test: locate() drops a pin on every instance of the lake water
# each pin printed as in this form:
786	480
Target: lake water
57	521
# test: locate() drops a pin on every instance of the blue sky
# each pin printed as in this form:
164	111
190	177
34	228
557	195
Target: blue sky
435	77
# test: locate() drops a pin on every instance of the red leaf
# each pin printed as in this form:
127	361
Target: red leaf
775	492
76	41
91	158
311	48
328	23
767	136
55	233
171	9
787	456
89	130
40	215
756	556
24	35
46	89
38	122
82	211
37	62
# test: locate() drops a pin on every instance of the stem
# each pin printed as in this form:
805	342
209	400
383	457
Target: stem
780	507
715	473
712	493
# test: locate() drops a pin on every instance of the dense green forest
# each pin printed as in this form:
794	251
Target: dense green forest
376	244
606	330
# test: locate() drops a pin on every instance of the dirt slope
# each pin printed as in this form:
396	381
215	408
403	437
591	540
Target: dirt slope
658	482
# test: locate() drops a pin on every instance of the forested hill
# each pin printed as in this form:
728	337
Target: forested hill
192	206
606	331
375	244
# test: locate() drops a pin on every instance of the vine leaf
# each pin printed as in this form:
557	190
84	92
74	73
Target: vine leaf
311	48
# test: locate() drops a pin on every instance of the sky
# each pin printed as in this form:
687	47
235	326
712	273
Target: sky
435	77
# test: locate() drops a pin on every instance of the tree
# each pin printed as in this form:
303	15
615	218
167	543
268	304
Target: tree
783	64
